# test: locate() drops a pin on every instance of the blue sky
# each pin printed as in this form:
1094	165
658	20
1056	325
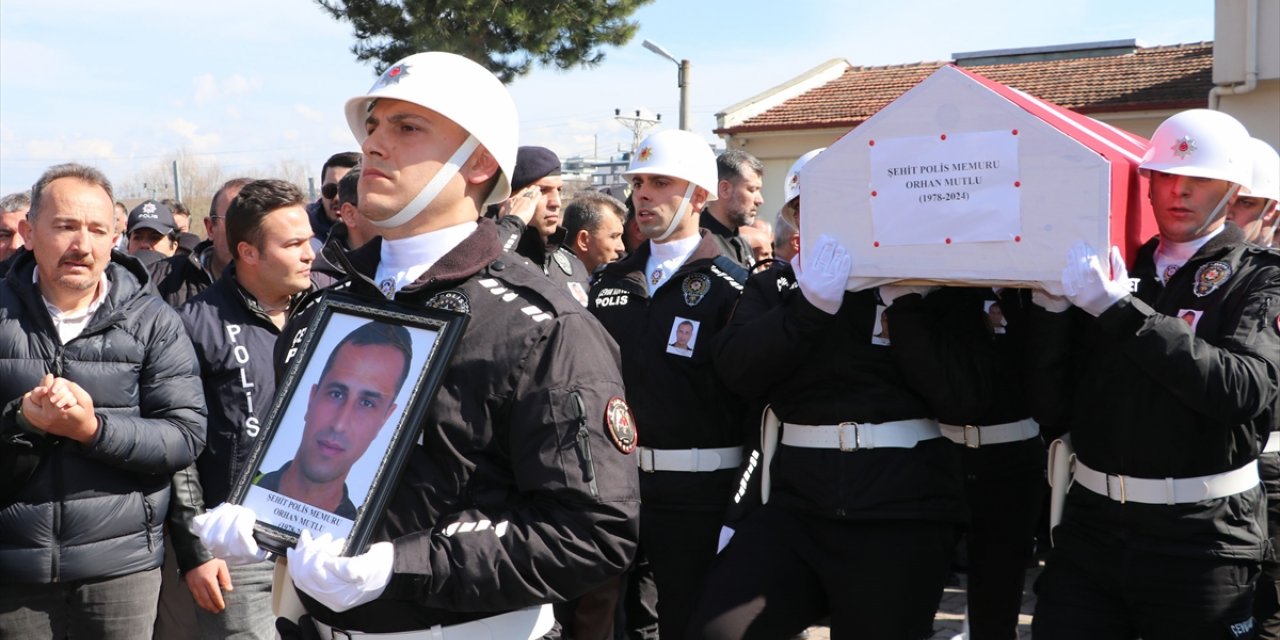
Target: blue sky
250	84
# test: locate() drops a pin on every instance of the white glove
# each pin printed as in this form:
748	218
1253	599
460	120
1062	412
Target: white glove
891	292
227	531
824	274
726	534
1049	302
337	582
1086	282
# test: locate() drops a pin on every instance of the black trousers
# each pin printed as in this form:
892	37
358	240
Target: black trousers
1266	599
1110	592
680	546
1004	488
784	571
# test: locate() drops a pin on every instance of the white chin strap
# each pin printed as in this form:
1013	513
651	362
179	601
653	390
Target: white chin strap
1217	211
680	213
433	188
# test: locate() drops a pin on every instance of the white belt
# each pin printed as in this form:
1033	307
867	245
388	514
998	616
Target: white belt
1273	443
530	623
851	436
690	460
979	436
1167	490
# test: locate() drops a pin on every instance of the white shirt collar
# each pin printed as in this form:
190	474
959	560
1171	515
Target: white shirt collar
72	324
665	258
402	261
1170	256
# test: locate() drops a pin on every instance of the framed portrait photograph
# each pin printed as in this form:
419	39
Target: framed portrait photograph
344	419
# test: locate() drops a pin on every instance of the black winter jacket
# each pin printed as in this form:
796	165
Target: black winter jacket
96	510
516	494
1152	397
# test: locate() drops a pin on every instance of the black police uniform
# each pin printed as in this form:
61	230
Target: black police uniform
974	368
865	536
680	404
1266	599
551	257
731	243
1156	398
526	433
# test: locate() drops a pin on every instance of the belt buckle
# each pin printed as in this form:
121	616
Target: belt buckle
1119	478
646	454
976	442
857	436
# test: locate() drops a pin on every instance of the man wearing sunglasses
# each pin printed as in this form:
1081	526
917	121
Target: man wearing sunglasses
324	211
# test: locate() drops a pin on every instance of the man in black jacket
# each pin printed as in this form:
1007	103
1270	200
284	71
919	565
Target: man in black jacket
1164	525
533	229
103	405
234	325
520	492
182	277
676	288
738	199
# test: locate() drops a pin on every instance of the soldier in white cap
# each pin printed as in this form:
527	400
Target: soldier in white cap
665	304
1170	402
520	491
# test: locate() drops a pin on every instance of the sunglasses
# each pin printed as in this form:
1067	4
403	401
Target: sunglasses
329	190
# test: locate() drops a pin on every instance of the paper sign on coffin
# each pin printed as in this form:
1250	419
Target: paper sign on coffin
963	180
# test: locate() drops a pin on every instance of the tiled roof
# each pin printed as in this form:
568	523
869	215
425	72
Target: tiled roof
1167	77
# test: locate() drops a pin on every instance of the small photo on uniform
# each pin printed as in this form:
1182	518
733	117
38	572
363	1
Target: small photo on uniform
1191	317
995	316
684	335
880	332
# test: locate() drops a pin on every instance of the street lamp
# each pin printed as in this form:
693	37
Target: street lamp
682	79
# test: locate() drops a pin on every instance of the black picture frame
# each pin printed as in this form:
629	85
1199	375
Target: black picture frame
359	397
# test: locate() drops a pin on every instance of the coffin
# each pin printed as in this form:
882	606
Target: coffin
965	181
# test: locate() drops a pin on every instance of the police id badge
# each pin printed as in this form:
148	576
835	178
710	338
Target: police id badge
1211	276
621	425
695	288
563	262
450	301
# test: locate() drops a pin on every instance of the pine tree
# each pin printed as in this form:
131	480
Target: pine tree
507	36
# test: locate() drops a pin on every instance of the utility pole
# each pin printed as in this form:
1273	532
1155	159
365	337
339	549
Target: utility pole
637	124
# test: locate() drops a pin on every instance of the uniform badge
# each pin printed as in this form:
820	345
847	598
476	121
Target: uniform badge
387	287
1183	147
1211	276
621	425
1169	270
579	293
645	154
695	287
149	207
562	262
450	301
393	75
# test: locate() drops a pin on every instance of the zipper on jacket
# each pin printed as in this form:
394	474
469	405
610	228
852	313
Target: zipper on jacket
146	529
584	445
55	564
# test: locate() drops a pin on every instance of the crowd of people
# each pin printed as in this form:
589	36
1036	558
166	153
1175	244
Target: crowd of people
662	419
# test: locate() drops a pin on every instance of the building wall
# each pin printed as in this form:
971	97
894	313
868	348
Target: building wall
1259	110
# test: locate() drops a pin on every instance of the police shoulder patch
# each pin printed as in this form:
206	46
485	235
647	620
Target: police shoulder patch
621	425
562	261
1210	276
450	301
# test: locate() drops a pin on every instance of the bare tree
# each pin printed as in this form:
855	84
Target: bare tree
200	177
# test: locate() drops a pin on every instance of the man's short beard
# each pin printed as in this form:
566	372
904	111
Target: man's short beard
741	218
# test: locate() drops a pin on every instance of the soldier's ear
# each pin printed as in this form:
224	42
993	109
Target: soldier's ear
480	167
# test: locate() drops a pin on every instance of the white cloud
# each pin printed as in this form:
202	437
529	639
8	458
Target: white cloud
290	134
188	130
341	135
308	113
209	88
64	150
